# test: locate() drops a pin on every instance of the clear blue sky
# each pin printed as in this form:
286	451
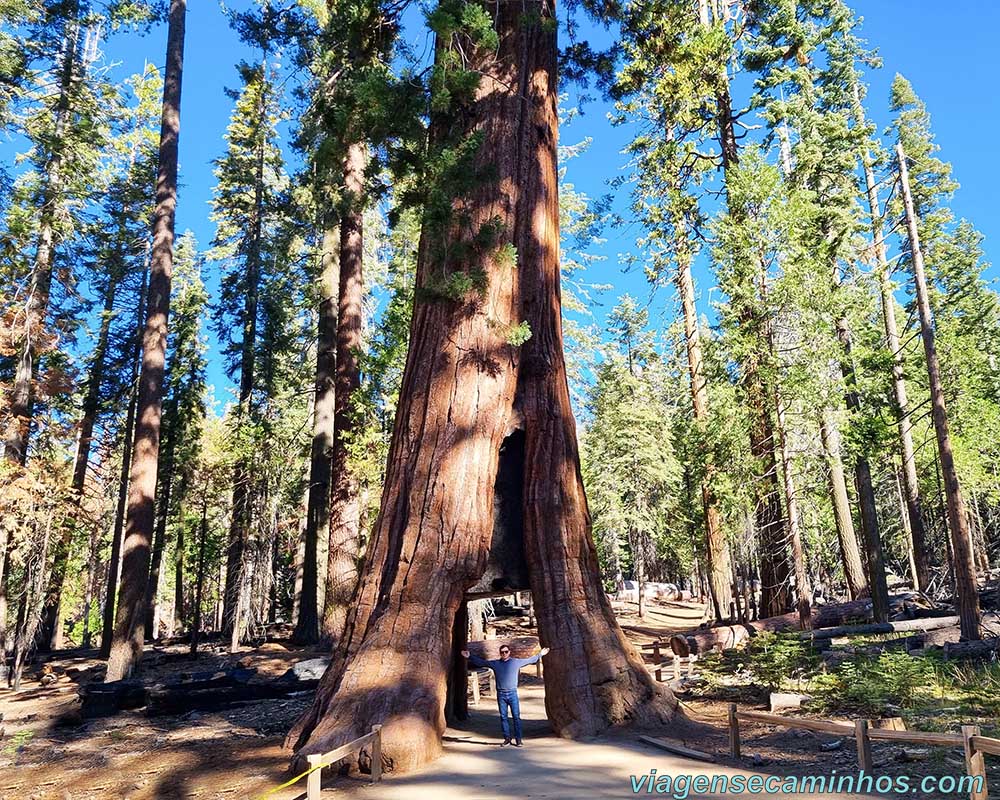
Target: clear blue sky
944	49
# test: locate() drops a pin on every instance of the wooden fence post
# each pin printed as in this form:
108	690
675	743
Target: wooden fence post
677	667
314	780
975	764
734	732
864	745
377	749
658	673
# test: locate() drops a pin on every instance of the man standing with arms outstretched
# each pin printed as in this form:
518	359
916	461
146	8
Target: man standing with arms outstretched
507	669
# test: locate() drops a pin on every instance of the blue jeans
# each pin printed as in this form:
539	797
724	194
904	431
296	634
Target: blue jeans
507	698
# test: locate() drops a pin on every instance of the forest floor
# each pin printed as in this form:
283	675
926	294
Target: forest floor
47	751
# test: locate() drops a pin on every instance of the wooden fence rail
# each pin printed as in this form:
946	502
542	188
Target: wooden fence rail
970	740
318	761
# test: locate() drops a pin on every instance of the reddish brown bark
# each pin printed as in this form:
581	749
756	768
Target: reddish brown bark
967	596
345	505
465	388
126	644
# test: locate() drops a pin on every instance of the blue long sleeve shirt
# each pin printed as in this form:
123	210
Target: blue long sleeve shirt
506	671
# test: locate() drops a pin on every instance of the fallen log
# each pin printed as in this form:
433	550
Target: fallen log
961	651
725	637
902	626
177	700
104	699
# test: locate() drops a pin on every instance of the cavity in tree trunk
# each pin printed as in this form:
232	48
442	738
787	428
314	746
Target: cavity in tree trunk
854	569
318	504
720	570
126	645
345	505
465	389
967	596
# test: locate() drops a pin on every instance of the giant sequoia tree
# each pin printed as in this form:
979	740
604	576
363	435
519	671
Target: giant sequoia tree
488	271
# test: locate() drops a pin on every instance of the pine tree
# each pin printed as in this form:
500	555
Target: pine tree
127	641
183	410
246	211
119	255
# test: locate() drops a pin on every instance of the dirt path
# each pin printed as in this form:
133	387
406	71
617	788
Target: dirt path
475	767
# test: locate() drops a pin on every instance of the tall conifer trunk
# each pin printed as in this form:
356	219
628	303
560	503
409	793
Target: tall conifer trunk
967	597
465	389
345	505
720	569
118	529
126	645
318	503
850	555
774	569
50	633
29	341
911	486
240	522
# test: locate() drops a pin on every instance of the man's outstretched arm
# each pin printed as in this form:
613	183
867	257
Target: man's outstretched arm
475	661
532	659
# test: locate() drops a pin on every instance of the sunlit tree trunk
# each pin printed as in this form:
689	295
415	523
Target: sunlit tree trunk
967	596
126	645
466	388
720	570
774	570
917	530
345	505
854	569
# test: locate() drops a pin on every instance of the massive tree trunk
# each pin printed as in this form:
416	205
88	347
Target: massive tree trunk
854	569
720	569
318	504
466	388
126	645
958	523
345	504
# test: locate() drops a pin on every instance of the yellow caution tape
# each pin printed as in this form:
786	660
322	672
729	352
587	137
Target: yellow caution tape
286	784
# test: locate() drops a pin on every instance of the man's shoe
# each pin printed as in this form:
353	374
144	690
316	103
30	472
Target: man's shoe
517	743
505	742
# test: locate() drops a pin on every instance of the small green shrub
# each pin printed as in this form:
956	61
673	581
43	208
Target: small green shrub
870	685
